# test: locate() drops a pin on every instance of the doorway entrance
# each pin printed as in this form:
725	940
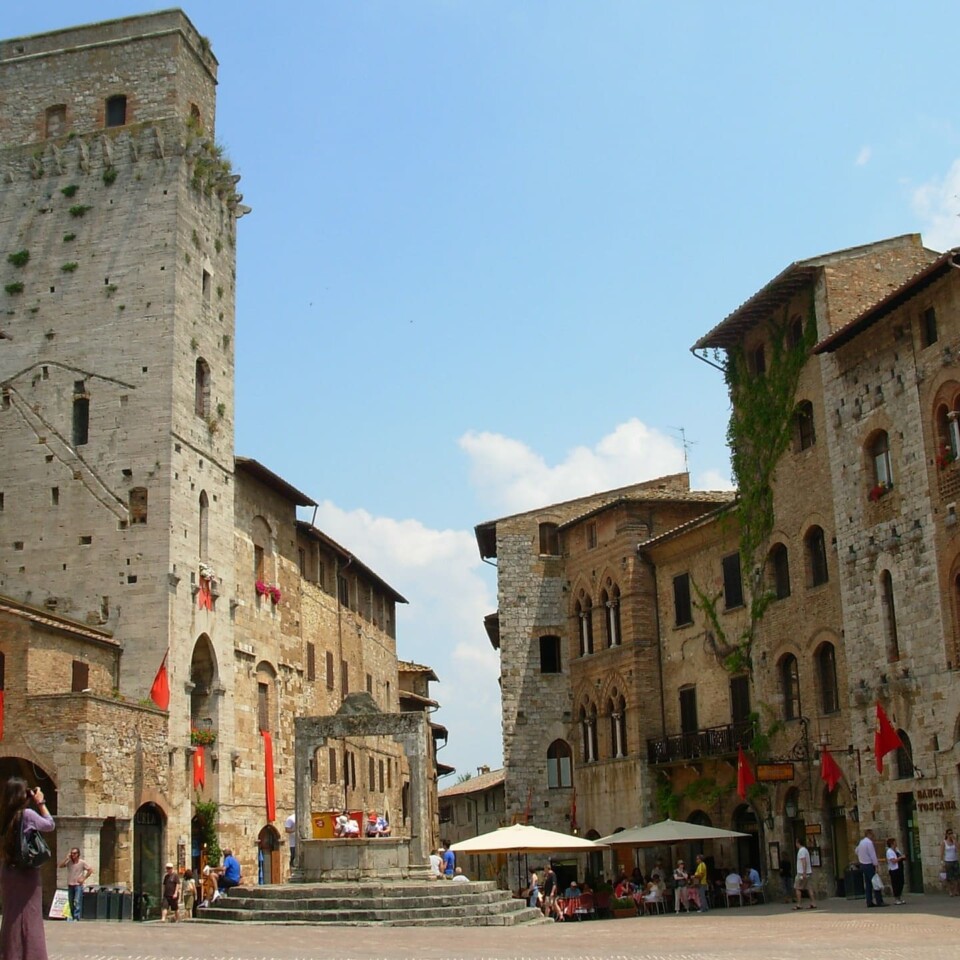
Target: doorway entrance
148	823
268	855
910	838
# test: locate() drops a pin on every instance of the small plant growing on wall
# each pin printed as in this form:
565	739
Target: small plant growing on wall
70	267
19	259
79	210
221	410
70	190
13	288
67	237
109	175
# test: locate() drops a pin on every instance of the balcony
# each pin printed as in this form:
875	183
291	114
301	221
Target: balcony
709	742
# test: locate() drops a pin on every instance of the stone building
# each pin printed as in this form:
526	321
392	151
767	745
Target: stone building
470	808
133	543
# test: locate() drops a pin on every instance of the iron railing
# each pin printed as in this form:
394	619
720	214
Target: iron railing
709	742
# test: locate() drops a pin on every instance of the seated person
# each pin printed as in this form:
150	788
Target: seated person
636	878
572	891
733	880
651	896
208	887
383	827
752	885
372	829
459	876
346	826
624	887
229	873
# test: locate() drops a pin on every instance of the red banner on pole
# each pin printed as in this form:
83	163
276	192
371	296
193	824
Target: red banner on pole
268	776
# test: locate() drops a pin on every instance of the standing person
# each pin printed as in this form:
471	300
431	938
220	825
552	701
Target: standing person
700	878
894	866
804	878
950	861
436	859
549	889
532	893
290	826
21	933
77	873
449	861
867	856
680	880
229	872
171	893
189	893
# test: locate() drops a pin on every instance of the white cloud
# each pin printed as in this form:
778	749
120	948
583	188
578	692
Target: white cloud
937	204
863	157
511	477
713	480
450	590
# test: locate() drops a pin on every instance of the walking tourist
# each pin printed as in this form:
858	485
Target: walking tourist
950	863
895	868
867	857
804	878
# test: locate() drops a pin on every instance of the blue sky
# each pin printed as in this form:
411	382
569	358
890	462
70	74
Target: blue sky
485	235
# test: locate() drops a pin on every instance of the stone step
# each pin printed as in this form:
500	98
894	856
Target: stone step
293	902
361	890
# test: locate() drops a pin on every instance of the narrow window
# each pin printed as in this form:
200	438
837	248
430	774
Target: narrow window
928	327
204	518
56	121
827	669
550	654
732	581
559	765
138	505
689	724
889	612
591	535
370	684
332	764
549	540
257	562
780	568
329	670
263	706
344	591
81	421
879	452
740	701
371	775
202	388
380	775
81	677
806	435
194	114
682	608
905	768
311	661
205	285
796	332
116	111
759	361
790	682
344	678
817	556
54	496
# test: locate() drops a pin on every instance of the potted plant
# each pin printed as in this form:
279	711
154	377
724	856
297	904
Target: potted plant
623	907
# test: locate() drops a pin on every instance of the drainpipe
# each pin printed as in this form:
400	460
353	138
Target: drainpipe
337	570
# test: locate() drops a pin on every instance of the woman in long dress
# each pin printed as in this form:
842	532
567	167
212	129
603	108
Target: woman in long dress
21	932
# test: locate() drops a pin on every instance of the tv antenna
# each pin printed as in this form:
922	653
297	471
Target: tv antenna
687	444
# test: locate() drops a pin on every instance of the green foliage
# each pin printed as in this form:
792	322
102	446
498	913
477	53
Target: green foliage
13	288
79	210
207	812
67	237
109	175
19	259
668	802
70	190
70	267
217	245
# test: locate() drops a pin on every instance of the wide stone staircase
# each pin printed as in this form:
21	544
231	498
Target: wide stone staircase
388	904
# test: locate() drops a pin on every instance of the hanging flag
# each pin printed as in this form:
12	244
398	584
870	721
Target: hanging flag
268	776
198	768
885	739
745	777
204	596
830	773
160	691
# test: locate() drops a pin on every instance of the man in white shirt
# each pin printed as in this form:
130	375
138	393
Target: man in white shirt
459	876
867	856
435	861
290	826
804	878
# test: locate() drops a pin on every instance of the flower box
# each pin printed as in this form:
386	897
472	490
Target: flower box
201	737
878	491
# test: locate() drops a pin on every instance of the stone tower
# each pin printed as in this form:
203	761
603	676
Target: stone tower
118	225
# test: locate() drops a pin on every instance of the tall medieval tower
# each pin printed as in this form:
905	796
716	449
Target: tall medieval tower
118	225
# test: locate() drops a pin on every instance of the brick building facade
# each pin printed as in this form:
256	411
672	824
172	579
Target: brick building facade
130	534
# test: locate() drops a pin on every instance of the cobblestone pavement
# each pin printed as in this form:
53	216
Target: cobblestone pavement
925	929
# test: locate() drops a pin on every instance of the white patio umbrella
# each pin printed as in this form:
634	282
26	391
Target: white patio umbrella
523	838
667	832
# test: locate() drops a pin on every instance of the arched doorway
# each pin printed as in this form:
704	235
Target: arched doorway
37	777
268	855
148	824
748	847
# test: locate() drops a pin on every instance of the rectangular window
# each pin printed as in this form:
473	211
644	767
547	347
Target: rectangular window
688	709
344	591
332	764
263	707
732	581
380	776
81	421
370	683
550	655
591	535
329	671
81	677
302	561
116	111
549	540
257	563
739	699
344	678
311	662
928	326
682	608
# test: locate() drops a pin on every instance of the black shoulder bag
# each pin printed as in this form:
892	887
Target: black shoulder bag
33	848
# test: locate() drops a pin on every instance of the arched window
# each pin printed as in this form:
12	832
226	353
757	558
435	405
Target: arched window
585	617
779	564
611	606
549	540
816	547
202	388
827	675
617	709
905	768
878	453
805	435
559	765
204	544
790	682
588	733
889	615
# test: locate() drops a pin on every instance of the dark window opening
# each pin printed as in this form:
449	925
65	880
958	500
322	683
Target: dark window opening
549	540
81	677
550	655
806	433
116	111
740	699
138	505
682	608
311	661
559	765
790	682
330	683
732	582
817	557
928	326
827	668
263	707
81	421
688	709
780	565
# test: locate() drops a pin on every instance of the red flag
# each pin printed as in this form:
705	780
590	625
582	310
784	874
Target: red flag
160	691
198	771
885	739
745	777
830	773
204	596
268	776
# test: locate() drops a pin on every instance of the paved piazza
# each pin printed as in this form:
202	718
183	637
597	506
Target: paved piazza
927	928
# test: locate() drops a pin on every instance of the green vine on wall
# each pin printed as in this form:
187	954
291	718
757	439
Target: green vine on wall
207	811
759	432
